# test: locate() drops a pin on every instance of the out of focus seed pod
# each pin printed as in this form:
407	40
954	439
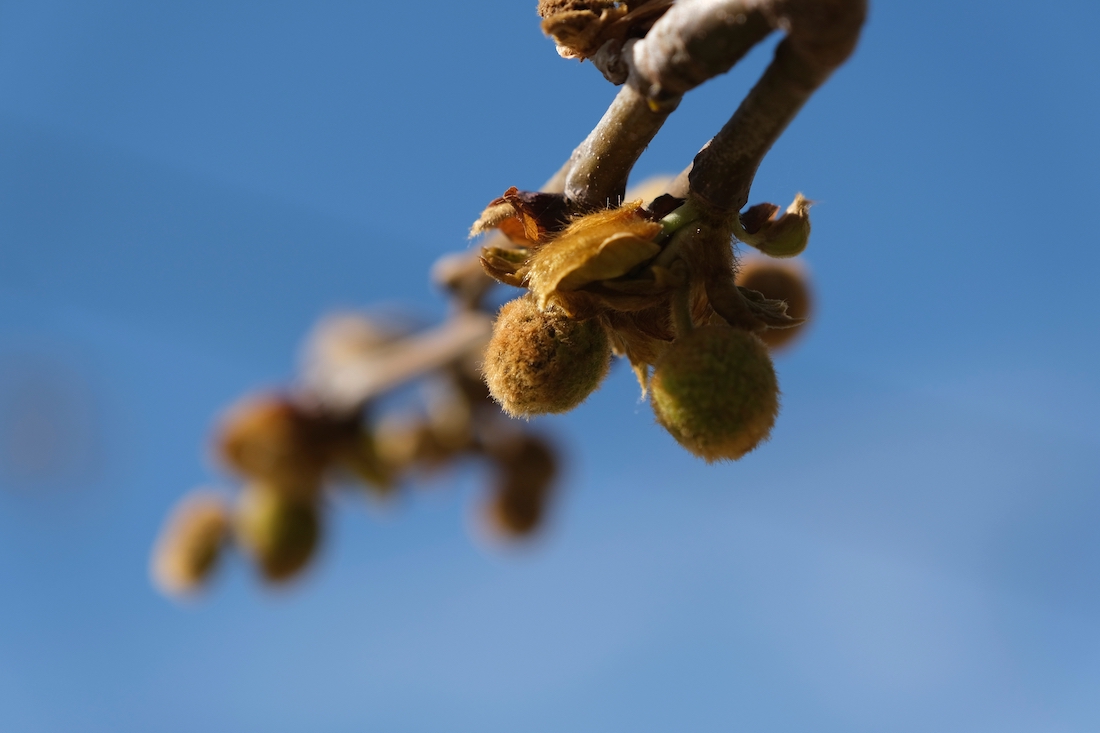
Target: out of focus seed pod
405	442
779	282
542	361
716	392
271	439
190	545
281	532
518	503
450	419
359	454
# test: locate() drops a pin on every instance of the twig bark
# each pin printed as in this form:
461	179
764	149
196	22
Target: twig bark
600	166
821	34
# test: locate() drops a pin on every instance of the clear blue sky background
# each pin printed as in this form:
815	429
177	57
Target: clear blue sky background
186	188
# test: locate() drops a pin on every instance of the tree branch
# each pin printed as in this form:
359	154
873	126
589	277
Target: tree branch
821	34
600	166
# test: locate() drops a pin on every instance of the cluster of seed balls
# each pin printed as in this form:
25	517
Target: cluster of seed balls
714	389
287	452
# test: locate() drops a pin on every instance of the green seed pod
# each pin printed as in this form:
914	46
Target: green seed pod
779	282
543	361
280	531
190	544
715	391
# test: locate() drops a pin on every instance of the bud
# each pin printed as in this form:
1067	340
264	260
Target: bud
269	438
788	235
778	281
543	361
279	531
190	544
715	391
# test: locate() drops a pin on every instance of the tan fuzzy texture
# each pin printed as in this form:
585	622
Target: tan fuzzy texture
190	544
280	532
716	392
541	362
780	282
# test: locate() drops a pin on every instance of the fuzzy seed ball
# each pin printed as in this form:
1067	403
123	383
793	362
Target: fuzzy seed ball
281	532
542	361
779	282
715	391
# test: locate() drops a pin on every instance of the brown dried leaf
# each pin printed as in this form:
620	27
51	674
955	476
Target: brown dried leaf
524	216
599	246
617	255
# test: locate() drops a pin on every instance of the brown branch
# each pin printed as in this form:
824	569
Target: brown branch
686	45
600	166
342	372
693	42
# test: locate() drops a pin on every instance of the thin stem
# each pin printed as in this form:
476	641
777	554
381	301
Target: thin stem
342	377
599	167
687	43
693	42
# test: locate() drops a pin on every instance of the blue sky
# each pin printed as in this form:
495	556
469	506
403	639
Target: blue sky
184	190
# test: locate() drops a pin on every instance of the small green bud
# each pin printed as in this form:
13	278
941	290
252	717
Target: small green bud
543	361
715	391
280	531
787	235
190	544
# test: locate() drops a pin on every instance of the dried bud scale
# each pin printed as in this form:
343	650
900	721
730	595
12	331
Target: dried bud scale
543	361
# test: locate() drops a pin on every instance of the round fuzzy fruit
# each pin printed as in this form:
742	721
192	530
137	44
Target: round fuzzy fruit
715	390
779	282
543	361
279	531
